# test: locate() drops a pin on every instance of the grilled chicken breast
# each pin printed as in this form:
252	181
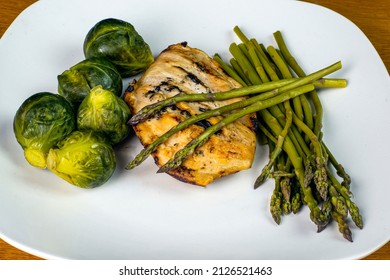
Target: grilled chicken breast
178	69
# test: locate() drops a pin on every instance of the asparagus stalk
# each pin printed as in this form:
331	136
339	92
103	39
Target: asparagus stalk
245	64
212	113
239	71
182	154
229	69
261	99
286	184
339	168
276	197
151	109
240	34
299	71
279	146
320	176
268	67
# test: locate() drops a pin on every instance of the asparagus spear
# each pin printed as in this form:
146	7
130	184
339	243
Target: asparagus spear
339	168
276	197
151	109
343	225
279	146
346	194
299	71
245	64
229	69
182	154
320	176
326	209
276	202
189	148
212	113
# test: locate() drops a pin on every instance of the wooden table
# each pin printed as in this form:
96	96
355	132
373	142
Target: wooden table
372	17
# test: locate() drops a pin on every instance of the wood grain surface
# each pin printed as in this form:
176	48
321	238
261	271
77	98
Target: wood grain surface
372	17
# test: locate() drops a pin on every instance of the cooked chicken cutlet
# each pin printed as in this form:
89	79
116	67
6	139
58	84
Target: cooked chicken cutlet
182	69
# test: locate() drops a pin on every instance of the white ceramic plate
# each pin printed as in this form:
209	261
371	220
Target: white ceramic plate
139	214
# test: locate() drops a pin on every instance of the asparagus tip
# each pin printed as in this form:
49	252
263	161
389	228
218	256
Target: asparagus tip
161	170
321	227
167	167
131	165
259	181
347	234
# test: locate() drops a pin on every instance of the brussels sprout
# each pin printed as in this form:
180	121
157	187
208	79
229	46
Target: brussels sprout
105	113
74	84
40	122
83	158
120	43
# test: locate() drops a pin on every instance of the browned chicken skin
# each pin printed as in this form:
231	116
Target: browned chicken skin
178	69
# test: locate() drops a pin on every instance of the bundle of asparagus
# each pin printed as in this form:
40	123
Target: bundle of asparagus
290	121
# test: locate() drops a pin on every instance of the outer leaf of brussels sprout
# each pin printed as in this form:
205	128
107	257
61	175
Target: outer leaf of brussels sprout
105	113
83	159
100	72
74	84
119	42
40	123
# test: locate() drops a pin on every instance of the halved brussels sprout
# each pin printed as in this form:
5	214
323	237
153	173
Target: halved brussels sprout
74	84
83	158
105	113
119	42
40	122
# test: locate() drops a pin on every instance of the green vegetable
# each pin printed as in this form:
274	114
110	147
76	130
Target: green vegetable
300	149
119	42
40	122
271	87
104	112
83	159
74	84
